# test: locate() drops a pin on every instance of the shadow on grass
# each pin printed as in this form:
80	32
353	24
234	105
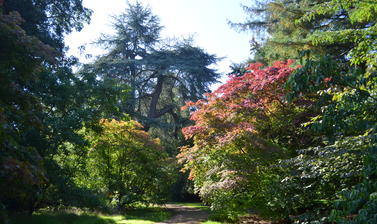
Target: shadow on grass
139	215
153	214
60	219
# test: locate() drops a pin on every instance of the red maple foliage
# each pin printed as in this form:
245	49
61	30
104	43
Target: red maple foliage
228	108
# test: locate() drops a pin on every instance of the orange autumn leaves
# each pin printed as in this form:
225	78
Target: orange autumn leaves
116	131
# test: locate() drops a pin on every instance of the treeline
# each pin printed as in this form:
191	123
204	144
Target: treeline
291	135
104	137
293	140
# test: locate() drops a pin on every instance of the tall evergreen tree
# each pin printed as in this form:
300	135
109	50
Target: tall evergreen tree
288	27
139	58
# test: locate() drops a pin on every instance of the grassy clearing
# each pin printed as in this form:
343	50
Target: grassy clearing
137	216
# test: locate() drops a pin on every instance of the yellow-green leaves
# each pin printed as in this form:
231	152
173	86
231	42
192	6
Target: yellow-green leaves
124	162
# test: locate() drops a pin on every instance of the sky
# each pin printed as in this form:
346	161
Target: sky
206	20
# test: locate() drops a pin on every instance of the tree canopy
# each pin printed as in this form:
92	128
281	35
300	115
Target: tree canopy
344	30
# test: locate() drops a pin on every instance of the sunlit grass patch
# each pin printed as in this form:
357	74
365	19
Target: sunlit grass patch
123	220
194	205
140	216
135	216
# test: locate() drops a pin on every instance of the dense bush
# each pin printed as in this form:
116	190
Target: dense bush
307	184
124	163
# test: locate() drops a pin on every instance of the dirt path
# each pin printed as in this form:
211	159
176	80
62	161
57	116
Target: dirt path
185	215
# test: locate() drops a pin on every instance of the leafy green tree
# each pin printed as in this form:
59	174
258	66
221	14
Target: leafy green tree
42	102
125	163
49	20
345	91
20	118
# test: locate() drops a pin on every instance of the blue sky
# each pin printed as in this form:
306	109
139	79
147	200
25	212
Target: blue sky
206	20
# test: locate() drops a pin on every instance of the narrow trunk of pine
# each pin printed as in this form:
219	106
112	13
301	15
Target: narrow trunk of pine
152	113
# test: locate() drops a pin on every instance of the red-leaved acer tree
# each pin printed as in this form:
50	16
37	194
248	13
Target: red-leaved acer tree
238	104
230	141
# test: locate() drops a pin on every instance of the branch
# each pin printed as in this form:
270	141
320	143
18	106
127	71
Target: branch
145	81
179	80
164	110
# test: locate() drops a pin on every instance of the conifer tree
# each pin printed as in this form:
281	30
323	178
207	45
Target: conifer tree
155	71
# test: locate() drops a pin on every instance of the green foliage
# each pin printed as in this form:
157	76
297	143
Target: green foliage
345	97
49	20
295	144
63	191
305	186
124	163
342	29
359	30
20	112
42	103
148	214
276	35
343	94
358	204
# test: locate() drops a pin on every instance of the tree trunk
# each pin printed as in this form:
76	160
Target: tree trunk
176	122
152	113
131	103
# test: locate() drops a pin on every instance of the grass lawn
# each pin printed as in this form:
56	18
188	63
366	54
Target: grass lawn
137	216
194	205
